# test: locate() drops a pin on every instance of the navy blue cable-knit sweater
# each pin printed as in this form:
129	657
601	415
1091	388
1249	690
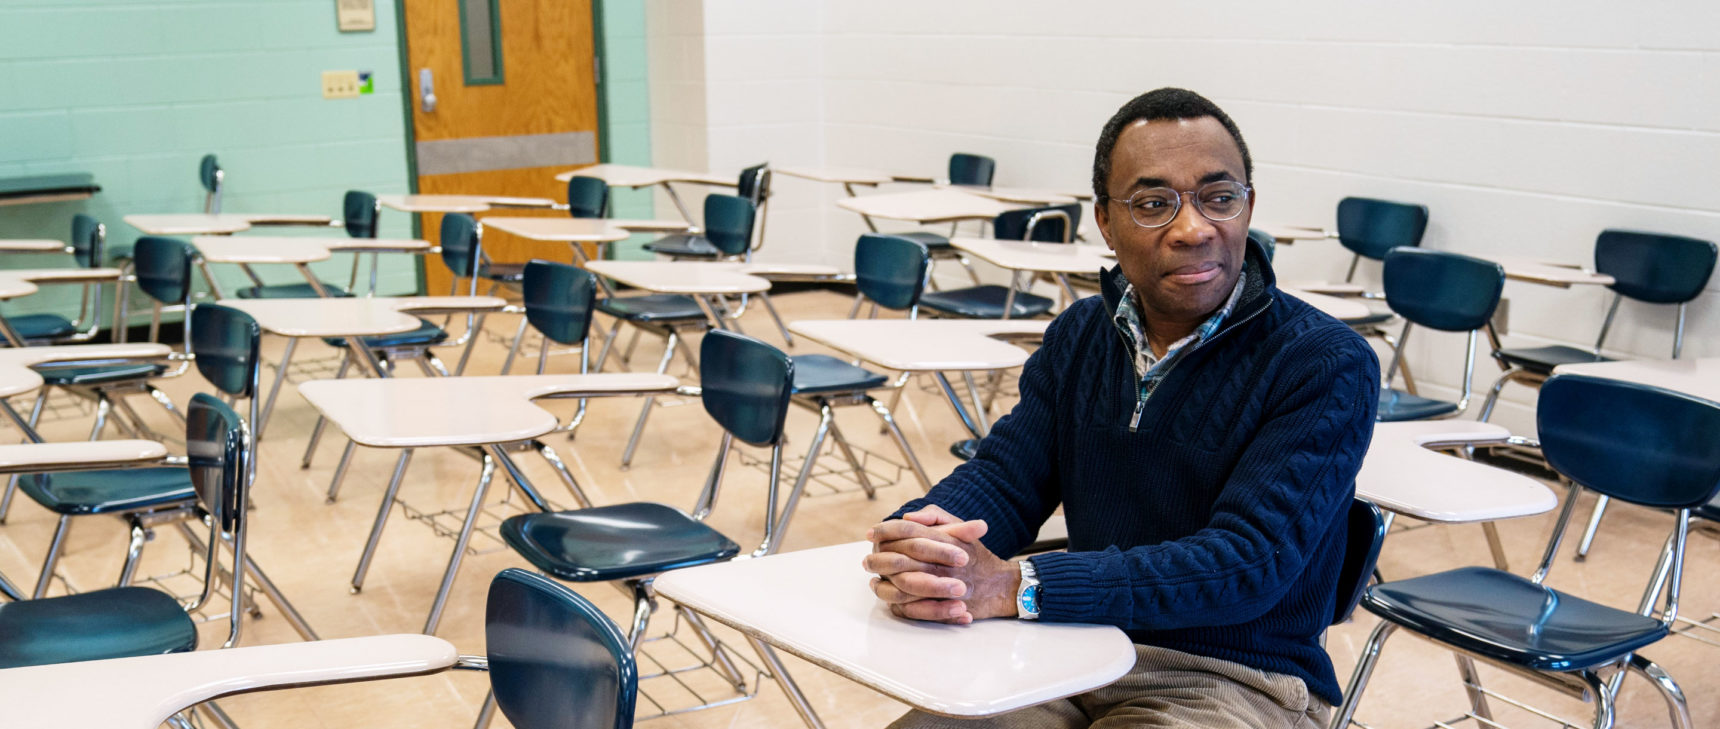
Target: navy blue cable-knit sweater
1217	527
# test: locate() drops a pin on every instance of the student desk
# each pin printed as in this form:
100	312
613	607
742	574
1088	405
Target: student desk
940	205
637	177
932	346
459	203
1694	377
1537	271
1022	195
351	319
816	604
142	692
1288	234
484	412
297	251
19	282
700	280
26	245
1057	259
848	177
572	231
189	224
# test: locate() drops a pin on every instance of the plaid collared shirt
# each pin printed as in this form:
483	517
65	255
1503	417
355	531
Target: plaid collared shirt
1149	367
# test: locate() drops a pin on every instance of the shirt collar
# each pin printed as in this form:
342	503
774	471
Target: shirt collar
1131	324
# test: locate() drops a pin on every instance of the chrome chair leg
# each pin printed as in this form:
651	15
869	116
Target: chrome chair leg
1604	699
1496	546
645	411
1472	686
217	716
103	407
901	440
274	392
12	481
608	342
300	625
133	551
381	520
136	420
514	349
53	558
322	422
1359	678
767	655
787	337
826	417
719	656
627	354
165	402
340	471
1493	394
556	463
848	453
486	711
484	478
644	603
1600	510
1676	706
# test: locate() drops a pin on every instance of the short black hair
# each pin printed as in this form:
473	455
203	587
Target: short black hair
1156	105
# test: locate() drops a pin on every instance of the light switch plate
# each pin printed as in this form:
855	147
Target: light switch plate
340	84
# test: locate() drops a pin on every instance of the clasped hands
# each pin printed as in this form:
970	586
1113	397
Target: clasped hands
931	566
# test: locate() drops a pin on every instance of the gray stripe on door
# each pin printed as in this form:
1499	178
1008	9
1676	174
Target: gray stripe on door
478	154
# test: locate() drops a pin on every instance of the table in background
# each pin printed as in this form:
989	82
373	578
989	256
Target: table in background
351	319
483	412
33	245
1057	259
30	189
460	203
298	252
636	177
189	223
940	205
573	231
816	604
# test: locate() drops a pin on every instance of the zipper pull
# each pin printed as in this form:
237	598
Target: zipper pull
1135	422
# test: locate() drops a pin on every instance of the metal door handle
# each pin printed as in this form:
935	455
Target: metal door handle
427	90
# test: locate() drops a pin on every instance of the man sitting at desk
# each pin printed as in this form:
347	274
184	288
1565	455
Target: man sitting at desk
1201	430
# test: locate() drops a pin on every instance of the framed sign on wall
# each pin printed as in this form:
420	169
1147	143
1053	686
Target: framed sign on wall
355	15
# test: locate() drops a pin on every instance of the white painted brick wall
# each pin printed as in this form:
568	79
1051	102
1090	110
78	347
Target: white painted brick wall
1525	127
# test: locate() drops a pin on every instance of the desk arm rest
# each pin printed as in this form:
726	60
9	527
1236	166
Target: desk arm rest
83	456
690	390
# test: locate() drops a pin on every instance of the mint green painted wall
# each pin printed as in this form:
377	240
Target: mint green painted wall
137	92
627	126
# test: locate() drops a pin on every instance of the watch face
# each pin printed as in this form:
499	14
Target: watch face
1030	600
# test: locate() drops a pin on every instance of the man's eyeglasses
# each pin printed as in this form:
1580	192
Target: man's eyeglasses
1156	207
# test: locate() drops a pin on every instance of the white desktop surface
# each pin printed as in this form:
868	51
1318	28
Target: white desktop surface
925	345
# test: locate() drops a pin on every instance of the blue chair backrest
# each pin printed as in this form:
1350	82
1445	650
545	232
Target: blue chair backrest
1371	228
971	169
1445	291
891	270
729	223
1268	244
1365	529
460	244
1641	444
754	183
556	661
359	213
215	453
164	268
746	384
1654	267
224	344
209	173
586	197
1013	224
558	299
88	235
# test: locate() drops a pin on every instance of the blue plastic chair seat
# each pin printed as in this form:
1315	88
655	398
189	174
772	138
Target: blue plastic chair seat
932	241
985	302
1396	405
655	307
816	373
1510	619
101	492
684	246
291	291
615	542
116	623
1542	360
965	449
425	335
99	375
42	326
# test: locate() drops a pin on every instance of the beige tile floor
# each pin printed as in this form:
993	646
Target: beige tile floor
310	549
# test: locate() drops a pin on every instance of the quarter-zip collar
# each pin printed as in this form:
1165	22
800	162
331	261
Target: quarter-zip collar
1258	282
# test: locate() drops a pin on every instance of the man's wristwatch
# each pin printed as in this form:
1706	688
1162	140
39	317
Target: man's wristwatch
1027	596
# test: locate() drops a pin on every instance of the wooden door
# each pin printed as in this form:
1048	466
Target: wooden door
515	103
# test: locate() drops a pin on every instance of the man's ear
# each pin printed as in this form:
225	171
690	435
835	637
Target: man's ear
1102	215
